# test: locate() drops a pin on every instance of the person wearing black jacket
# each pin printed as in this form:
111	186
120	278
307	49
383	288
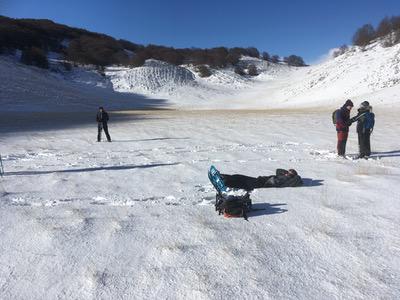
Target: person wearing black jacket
282	178
102	120
365	125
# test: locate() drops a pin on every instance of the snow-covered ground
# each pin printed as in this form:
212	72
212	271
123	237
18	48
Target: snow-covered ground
134	219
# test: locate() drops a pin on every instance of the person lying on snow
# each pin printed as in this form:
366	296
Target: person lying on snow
282	178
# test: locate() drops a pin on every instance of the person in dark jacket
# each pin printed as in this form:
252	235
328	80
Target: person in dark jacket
102	120
282	178
343	123
365	125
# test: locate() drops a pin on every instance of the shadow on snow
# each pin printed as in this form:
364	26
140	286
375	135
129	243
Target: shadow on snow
12	122
149	140
312	182
261	209
393	153
112	168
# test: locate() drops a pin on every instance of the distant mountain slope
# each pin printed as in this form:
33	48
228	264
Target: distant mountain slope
371	73
355	73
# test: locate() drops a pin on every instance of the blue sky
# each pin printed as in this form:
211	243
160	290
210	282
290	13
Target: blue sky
305	28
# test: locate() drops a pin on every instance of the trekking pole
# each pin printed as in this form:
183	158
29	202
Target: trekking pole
1	167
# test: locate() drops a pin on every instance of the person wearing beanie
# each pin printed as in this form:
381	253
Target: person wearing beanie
102	123
343	123
365	125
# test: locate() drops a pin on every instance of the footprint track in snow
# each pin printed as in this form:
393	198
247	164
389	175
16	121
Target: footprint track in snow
113	201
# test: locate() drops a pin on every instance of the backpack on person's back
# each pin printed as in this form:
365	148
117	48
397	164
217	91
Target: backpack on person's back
369	120
334	116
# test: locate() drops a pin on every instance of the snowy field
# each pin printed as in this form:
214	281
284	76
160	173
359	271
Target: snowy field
134	219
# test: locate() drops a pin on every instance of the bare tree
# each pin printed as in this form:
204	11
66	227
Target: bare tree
137	60
342	49
233	56
239	70
217	57
204	71
364	35
294	60
252	70
253	52
275	58
395	22
265	56
35	56
384	28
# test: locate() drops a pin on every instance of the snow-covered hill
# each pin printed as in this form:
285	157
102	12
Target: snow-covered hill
154	77
25	88
371	73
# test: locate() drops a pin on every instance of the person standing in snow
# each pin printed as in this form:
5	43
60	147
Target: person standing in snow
365	125
343	123
102	119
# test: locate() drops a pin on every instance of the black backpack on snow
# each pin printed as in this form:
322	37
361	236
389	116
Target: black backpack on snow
233	206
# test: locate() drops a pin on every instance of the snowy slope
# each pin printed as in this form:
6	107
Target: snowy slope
25	88
154	77
370	74
184	87
356	74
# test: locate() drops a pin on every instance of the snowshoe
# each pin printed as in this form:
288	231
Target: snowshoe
232	203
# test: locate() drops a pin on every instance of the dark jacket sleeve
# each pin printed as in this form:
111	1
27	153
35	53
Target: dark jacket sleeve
106	118
343	120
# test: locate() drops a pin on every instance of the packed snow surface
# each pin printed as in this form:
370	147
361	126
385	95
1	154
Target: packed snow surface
135	218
